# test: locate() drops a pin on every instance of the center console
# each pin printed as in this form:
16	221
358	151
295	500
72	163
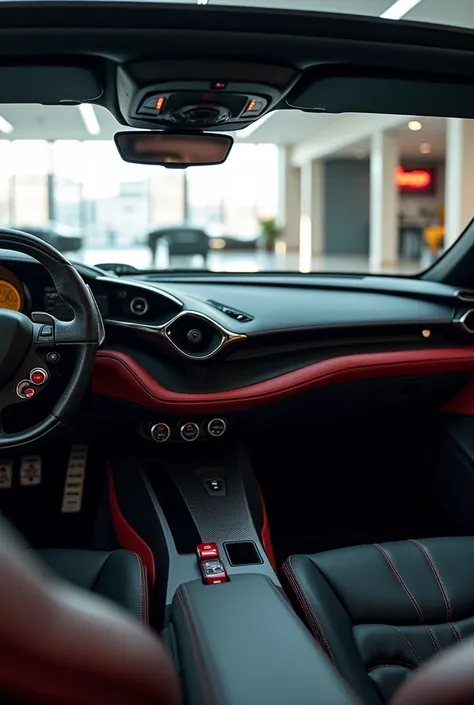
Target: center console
241	643
198	511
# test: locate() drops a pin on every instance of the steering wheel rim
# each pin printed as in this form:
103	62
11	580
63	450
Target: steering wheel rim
85	331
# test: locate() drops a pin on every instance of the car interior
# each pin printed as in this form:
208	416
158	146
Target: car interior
243	488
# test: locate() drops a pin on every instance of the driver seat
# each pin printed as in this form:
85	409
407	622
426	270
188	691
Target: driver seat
118	575
62	644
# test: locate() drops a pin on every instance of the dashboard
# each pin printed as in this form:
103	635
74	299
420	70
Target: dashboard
203	344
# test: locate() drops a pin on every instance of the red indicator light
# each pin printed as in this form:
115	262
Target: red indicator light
251	105
159	103
218	85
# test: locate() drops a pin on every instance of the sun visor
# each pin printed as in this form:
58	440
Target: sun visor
344	90
48	85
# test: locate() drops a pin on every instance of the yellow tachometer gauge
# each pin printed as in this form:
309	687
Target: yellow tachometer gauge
10	297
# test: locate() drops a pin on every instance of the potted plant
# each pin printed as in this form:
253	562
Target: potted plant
271	231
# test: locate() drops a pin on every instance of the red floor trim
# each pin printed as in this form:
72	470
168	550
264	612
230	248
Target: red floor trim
126	534
266	534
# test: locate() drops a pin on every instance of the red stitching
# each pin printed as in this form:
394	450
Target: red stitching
434	639
456	632
141	586
408	643
201	671
309	605
444	594
401	581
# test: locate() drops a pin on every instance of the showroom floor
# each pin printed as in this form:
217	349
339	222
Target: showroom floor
252	261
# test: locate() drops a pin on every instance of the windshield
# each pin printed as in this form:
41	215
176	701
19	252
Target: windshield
299	192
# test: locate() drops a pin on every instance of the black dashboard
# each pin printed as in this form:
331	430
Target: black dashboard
232	341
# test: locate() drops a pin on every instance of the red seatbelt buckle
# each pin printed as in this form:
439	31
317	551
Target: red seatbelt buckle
213	572
205	551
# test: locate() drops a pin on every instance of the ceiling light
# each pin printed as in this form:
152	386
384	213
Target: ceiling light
425	148
399	9
5	126
415	125
90	118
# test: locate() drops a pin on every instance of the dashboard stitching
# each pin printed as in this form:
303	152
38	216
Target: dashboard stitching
345	368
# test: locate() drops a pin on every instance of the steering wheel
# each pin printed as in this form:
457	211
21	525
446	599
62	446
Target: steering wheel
29	345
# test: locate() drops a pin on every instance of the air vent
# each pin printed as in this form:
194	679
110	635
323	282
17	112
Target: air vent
231	312
195	336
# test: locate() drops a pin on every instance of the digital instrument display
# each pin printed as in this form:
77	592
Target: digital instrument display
54	305
10	296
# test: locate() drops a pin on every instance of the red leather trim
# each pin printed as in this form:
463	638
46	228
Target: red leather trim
126	534
463	403
266	535
119	375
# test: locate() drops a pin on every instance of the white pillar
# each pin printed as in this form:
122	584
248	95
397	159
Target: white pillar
289	200
383	242
312	213
459	189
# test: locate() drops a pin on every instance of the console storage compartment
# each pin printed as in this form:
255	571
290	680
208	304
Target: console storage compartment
241	643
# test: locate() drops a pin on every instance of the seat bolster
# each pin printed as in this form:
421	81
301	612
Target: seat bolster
318	606
118	575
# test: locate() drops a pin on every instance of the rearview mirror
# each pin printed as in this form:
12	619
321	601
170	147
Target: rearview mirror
174	151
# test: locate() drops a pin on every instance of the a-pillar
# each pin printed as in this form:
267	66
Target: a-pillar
459	189
312	213
383	239
289	201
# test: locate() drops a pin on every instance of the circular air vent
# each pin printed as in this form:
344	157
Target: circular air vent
195	336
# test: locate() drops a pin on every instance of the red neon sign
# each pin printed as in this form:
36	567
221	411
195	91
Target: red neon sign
415	179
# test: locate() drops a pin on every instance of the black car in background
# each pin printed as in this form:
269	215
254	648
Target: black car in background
181	240
63	237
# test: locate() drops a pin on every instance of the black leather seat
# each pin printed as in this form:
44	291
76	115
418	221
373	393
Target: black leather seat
117	575
381	611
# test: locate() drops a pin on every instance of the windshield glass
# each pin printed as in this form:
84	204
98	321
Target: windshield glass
299	192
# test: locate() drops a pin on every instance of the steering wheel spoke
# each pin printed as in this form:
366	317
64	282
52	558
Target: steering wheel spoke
50	331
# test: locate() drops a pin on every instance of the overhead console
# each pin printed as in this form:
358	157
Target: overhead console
200	96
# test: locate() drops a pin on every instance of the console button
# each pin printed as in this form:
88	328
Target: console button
189	431
25	390
205	551
216	427
160	432
38	376
46	331
213	572
52	357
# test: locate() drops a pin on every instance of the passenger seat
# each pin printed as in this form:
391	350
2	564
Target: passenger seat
381	611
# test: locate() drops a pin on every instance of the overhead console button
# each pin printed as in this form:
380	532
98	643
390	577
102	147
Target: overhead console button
189	431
